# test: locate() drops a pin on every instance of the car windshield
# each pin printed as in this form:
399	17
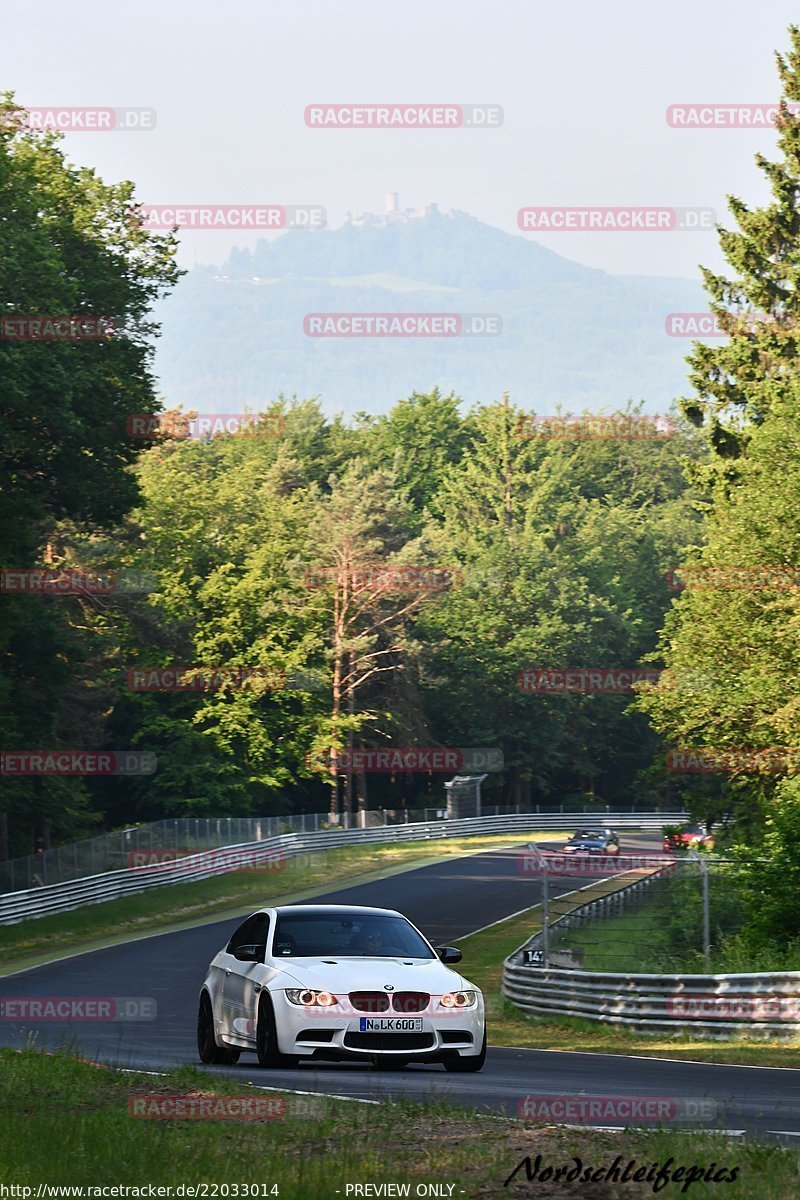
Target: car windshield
364	935
584	835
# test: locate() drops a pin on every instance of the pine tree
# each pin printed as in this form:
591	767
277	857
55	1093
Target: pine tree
738	381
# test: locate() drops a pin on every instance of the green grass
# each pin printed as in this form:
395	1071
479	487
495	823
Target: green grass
181	905
508	1026
634	941
664	934
67	1122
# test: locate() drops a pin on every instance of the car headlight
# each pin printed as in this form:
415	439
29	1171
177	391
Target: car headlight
458	1000
307	997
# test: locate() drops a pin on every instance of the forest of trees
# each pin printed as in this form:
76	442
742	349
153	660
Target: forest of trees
264	553
267	553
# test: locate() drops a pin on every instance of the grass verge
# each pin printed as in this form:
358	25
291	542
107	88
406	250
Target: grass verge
71	1123
633	941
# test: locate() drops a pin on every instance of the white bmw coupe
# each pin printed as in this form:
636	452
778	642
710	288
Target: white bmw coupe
338	982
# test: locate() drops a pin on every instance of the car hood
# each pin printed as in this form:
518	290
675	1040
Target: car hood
341	974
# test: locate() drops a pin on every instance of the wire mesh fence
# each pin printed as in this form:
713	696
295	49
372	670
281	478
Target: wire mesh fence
163	840
683	921
141	843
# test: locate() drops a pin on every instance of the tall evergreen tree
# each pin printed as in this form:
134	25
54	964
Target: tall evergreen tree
737	381
731	643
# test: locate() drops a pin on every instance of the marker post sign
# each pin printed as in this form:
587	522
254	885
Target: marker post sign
542	957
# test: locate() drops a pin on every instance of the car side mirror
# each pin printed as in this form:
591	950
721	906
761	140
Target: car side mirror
247	954
449	954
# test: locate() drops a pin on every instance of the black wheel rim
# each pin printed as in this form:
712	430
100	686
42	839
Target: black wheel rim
263	1035
204	1025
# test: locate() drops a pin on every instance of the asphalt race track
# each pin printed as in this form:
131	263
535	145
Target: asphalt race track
446	900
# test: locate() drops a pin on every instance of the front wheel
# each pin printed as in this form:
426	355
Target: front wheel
468	1063
207	1048
267	1039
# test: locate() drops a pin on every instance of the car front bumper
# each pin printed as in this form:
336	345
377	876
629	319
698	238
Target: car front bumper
335	1032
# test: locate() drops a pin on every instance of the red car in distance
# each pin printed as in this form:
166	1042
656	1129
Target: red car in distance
696	837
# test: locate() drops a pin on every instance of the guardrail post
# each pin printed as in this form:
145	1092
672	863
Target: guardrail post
698	858
545	920
706	916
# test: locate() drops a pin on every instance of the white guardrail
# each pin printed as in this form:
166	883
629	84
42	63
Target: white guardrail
94	889
715	1006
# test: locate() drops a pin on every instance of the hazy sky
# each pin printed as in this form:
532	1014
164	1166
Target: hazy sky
584	88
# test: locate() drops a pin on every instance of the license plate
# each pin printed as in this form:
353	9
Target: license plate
390	1024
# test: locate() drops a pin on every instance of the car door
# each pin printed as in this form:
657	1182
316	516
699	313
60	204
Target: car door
244	978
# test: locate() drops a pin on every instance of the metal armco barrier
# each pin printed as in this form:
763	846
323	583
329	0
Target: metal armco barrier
62	897
716	1006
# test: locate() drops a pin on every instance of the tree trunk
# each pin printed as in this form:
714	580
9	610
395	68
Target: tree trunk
361	793
339	610
335	713
351	708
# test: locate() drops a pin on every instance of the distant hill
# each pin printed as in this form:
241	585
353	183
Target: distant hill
572	335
